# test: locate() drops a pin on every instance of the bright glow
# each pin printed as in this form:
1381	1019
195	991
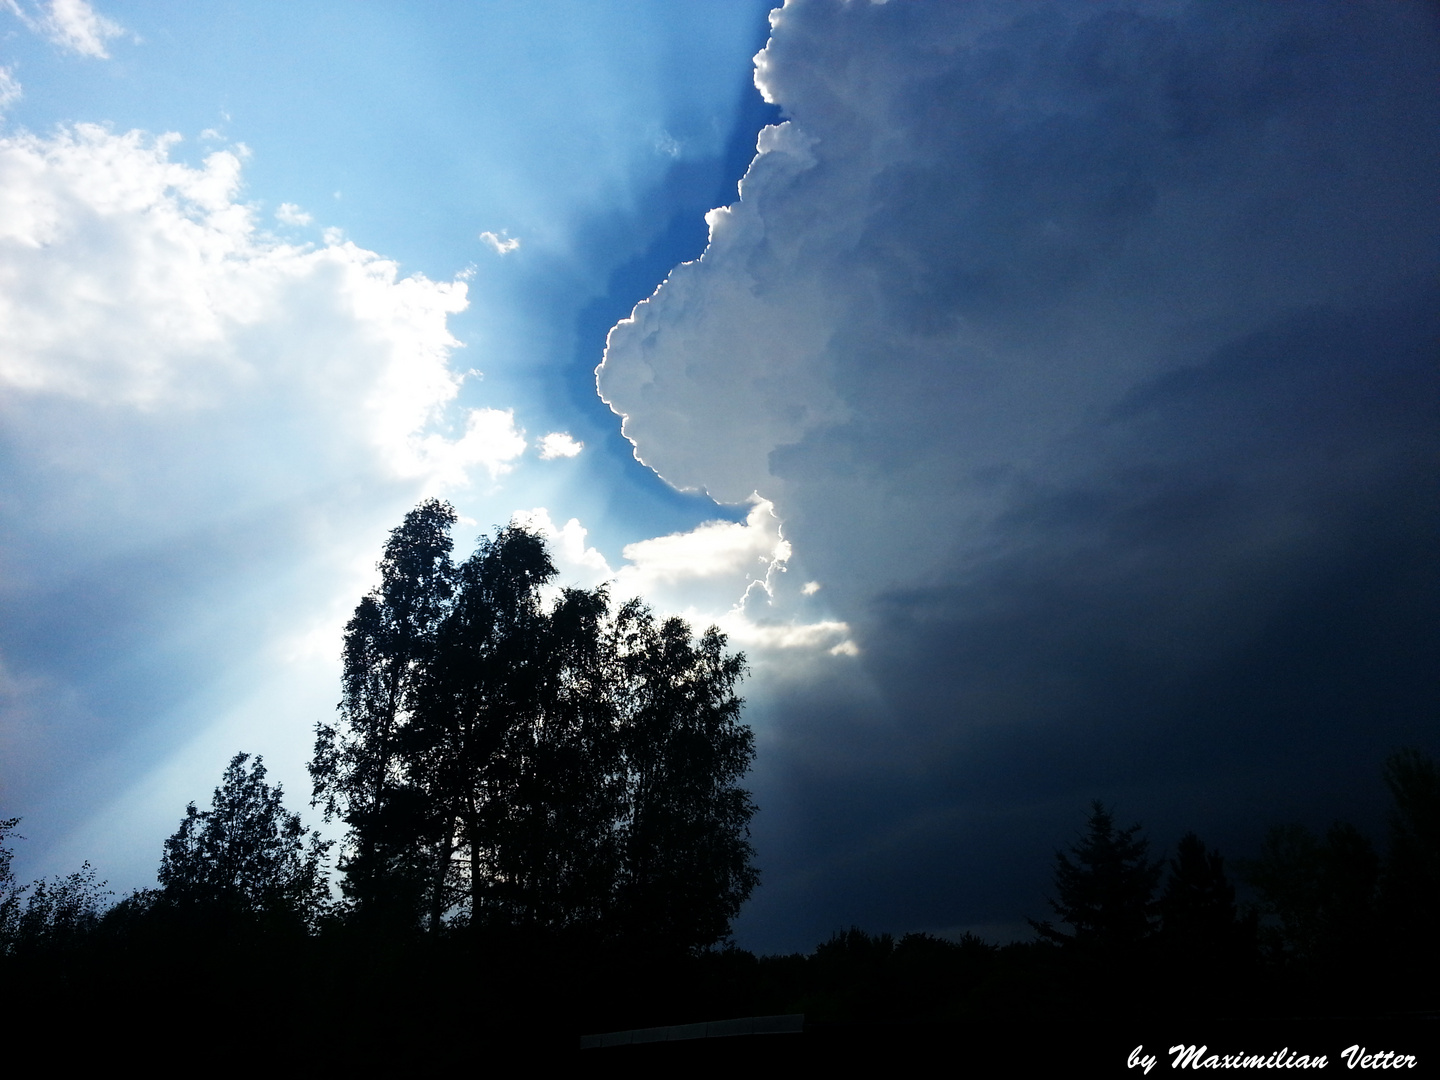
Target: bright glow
709	576
578	563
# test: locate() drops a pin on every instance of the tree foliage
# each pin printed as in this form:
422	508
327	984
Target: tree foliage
360	767
9	892
247	855
507	753
1317	894
686	861
1106	891
1411	877
57	914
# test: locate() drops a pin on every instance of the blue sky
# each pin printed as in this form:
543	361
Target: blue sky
1064	373
588	142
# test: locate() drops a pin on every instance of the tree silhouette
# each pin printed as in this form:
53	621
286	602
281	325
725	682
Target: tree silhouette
1106	891
504	760
9	892
362	767
246	856
58	914
1410	883
1208	949
687	858
489	736
1197	906
1317	896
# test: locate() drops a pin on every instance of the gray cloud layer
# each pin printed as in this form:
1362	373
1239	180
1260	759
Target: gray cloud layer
1088	355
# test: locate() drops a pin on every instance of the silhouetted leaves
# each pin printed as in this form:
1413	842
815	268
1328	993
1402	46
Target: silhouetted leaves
687	861
364	767
501	761
246	856
9	892
1410	881
1317	896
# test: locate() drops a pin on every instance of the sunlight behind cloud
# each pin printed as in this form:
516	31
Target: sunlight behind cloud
721	573
711	550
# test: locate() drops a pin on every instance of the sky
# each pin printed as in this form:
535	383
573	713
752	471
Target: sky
1050	413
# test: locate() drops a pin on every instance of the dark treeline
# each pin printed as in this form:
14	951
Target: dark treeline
545	835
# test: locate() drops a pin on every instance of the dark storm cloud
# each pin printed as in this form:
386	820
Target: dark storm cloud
1089	355
1221	615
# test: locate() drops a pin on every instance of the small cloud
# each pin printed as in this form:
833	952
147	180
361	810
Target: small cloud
290	214
667	144
333	237
810	588
73	25
559	444
829	636
716	549
491	440
501	242
211	133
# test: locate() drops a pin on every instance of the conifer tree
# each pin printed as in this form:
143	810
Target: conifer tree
1105	892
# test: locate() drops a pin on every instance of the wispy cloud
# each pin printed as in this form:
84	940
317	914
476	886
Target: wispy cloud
73	25
290	214
10	91
500	243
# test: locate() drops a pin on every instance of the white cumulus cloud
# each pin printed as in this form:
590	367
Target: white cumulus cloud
491	441
130	280
714	549
722	573
559	444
